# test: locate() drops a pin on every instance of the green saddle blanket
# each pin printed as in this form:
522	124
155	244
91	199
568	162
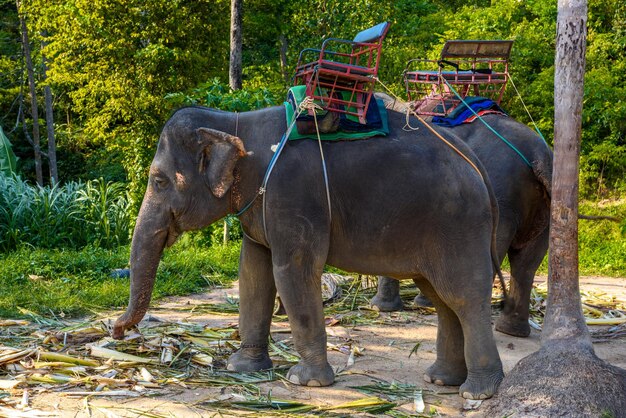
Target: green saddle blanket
333	125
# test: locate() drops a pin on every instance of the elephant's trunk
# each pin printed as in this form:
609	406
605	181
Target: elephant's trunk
149	239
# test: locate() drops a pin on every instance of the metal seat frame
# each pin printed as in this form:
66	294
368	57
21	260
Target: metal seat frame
352	67
478	68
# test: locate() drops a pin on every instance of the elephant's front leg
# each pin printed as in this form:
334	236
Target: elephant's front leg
256	304
298	279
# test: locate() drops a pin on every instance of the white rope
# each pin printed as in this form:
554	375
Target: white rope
527	111
407	124
309	104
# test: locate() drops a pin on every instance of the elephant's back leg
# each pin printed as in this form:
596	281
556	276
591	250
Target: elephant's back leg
524	264
463	283
450	367
387	298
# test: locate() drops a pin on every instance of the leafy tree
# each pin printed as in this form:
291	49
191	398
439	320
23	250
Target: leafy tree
116	61
10	65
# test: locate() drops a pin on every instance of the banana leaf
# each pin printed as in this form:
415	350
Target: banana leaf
8	160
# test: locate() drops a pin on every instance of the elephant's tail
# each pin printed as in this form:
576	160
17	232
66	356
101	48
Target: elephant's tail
494	256
542	168
495	215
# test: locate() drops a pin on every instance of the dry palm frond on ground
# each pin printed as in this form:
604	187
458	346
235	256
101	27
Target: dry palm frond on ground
80	359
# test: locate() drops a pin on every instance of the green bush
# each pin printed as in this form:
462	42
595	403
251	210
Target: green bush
69	216
218	95
602	244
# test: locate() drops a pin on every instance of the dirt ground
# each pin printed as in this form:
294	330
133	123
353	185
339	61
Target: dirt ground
385	352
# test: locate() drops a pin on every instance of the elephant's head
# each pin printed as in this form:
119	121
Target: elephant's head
188	188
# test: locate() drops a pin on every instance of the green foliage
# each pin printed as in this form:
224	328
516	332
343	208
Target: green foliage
7	157
218	95
113	65
602	244
69	282
70	216
105	210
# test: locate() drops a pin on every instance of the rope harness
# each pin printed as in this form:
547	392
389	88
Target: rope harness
503	139
306	105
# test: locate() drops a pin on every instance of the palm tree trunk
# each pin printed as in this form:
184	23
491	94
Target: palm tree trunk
564	317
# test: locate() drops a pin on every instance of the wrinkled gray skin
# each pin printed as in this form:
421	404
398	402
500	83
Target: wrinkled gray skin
523	195
403	206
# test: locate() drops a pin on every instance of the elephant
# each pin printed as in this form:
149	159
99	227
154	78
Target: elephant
404	205
523	195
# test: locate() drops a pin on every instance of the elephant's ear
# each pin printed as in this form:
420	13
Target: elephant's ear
219	155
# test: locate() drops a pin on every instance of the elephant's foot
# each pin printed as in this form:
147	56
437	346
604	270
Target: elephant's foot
422	301
444	374
512	324
302	374
483	387
249	359
386	303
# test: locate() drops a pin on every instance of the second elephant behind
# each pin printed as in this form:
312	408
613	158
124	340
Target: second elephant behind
523	194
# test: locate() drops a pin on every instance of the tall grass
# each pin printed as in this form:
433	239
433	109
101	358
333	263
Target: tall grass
70	216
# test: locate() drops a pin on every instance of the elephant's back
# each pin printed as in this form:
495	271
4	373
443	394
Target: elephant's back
391	180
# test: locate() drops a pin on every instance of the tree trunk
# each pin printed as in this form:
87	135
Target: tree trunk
564	377
52	147
226	234
235	69
284	46
33	98
564	316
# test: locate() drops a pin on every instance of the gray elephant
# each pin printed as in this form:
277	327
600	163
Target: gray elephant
404	206
523	194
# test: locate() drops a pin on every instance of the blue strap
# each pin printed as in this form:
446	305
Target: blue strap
489	126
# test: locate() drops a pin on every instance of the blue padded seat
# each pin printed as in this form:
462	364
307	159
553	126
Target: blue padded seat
372	34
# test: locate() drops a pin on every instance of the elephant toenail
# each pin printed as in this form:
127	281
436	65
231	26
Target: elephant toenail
427	378
294	379
314	382
230	367
439	382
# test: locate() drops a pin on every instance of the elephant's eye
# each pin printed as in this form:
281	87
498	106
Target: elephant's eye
160	182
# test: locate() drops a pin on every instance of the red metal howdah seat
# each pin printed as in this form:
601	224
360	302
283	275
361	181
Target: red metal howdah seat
472	68
342	79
